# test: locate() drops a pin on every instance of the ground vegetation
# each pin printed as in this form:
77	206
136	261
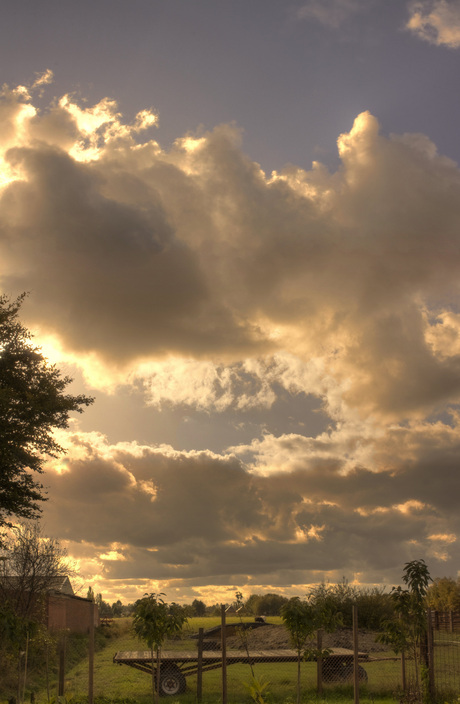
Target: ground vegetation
444	594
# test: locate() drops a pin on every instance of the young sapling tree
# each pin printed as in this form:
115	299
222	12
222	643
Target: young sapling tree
302	619
154	621
408	630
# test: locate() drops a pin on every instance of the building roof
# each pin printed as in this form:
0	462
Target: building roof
58	584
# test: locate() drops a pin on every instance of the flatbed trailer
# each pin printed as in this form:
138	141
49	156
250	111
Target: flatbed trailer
176	665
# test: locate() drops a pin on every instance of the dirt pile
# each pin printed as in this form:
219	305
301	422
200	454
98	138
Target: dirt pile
276	638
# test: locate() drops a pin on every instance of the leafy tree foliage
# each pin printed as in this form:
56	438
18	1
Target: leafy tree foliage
154	620
199	607
374	605
14	631
302	619
117	608
407	630
444	594
265	604
32	405
90	594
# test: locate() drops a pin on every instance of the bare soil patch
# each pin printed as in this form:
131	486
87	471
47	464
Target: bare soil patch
277	637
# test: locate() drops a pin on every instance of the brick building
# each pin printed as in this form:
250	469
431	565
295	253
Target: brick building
55	603
66	610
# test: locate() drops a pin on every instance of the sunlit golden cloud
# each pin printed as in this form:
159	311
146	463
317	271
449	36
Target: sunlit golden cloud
210	290
436	21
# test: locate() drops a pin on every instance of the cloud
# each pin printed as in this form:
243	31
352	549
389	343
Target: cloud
436	21
194	270
135	255
193	277
330	13
204	518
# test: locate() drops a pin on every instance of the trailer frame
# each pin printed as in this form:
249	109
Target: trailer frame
176	665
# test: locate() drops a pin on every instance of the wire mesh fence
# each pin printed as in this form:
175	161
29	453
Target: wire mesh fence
258	657
446	658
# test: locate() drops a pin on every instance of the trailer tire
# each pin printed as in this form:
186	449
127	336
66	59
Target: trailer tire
172	681
346	674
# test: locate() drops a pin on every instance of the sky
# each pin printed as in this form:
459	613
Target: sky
238	223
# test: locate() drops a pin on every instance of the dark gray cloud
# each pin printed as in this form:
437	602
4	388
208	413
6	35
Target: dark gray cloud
205	519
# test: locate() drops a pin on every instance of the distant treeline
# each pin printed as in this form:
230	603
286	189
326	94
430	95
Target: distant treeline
374	603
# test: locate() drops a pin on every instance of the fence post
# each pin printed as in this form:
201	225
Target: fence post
26	657
61	667
403	668
319	661
430	644
403	671
451	621
199	669
223	635
355	655
91	655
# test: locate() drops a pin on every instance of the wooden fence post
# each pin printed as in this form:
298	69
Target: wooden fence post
224	654
319	662
403	668
355	656
61	676
403	671
26	657
91	655
199	670
430	648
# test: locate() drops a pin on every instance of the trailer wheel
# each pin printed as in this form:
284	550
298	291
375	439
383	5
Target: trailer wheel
346	673
172	681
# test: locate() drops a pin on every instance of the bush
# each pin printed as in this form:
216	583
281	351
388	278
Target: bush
374	605
265	604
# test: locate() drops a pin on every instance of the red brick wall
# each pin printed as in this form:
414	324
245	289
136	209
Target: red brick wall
56	616
71	613
78	615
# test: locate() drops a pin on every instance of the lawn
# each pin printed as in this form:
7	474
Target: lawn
120	684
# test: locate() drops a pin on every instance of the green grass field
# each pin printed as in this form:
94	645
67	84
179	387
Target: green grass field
120	684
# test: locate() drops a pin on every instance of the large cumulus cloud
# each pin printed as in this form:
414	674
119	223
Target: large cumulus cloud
193	276
134	253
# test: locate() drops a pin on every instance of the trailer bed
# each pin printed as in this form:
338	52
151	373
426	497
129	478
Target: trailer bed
187	660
